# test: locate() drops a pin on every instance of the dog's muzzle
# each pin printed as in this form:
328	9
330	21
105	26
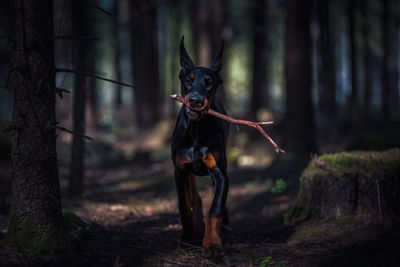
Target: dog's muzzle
195	105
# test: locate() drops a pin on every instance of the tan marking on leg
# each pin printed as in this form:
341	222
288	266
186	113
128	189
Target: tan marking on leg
209	160
212	239
180	162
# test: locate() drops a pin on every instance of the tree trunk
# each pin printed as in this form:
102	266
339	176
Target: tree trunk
260	58
89	61
92	120
209	22
36	219
326	73
385	92
175	34
366	30
82	63
117	55
353	100
148	94
5	63
299	121
394	54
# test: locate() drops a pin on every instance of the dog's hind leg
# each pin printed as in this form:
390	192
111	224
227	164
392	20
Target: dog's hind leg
190	207
197	210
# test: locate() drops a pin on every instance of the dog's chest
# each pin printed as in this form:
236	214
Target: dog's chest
193	158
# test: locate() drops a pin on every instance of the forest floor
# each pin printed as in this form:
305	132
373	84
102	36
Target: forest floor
128	216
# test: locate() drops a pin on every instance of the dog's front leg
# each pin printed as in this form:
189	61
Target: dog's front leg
212	240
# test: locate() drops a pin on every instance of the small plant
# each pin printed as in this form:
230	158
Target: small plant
280	186
281	263
266	261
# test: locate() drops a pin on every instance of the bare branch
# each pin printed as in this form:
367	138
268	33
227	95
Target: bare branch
76	37
72	132
10	128
94	76
59	91
236	121
101	9
13	127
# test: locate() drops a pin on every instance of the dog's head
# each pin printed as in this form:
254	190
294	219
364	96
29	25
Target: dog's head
199	84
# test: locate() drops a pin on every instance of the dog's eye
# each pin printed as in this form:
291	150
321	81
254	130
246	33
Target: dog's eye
189	80
208	82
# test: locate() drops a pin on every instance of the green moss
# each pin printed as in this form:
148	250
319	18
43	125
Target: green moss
327	228
346	162
300	211
38	238
347	222
367	163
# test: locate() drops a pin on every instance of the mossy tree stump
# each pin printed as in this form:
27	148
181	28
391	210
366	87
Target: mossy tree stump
349	184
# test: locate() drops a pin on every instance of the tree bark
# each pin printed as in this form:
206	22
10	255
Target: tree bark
394	54
82	63
209	22
366	30
260	58
353	99
175	35
89	61
299	121
148	95
326	73
36	220
5	63
92	120
117	55
385	92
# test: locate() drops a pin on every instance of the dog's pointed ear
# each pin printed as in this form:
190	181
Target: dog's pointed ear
186	62
217	65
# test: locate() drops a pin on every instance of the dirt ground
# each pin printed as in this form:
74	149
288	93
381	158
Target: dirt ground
129	218
128	215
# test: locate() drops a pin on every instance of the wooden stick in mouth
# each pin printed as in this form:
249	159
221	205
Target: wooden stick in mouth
253	124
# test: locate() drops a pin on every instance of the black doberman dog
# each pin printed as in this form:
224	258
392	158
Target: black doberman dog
198	148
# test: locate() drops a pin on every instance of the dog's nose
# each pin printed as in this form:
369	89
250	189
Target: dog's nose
196	101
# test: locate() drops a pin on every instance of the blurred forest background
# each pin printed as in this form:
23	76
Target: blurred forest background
328	82
326	72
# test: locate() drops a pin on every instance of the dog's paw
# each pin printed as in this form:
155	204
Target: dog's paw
212	247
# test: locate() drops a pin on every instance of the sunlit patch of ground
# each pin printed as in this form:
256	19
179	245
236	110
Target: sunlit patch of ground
112	195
